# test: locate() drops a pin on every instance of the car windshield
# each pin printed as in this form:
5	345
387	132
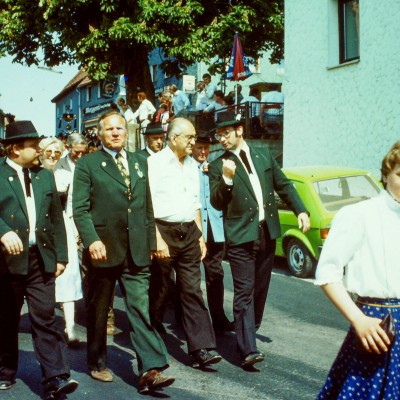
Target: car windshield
341	191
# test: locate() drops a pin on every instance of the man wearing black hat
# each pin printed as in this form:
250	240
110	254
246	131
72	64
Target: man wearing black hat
243	181
33	253
213	232
154	137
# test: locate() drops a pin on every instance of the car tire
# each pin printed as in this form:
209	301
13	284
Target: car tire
301	263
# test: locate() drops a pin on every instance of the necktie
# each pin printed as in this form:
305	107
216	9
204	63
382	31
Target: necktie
245	160
124	172
27	181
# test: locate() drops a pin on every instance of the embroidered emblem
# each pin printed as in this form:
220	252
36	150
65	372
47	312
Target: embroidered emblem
139	172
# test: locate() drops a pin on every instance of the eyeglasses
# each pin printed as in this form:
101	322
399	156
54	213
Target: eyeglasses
49	153
188	138
225	134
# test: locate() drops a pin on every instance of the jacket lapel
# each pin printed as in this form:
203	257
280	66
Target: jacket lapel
109	166
37	191
242	174
134	170
259	166
15	184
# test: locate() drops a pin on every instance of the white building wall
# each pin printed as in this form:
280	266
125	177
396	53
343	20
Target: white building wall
340	115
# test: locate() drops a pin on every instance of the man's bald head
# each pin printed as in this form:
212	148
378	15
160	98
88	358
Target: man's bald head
177	126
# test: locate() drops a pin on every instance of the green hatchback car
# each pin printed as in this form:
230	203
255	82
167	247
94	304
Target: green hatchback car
324	190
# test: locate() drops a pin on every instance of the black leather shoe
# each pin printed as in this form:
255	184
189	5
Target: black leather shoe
201	358
58	385
5	385
252	359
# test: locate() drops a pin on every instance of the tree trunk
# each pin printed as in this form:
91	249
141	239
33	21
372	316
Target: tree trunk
138	76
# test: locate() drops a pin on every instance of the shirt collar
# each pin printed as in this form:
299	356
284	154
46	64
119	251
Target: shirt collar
113	153
150	151
14	165
390	201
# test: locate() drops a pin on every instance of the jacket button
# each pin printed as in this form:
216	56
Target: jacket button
257	208
270	194
27	230
44	229
251	209
16	231
245	199
129	210
44	244
269	204
251	219
12	216
272	215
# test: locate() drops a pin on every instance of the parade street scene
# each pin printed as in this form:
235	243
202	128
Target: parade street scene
199	201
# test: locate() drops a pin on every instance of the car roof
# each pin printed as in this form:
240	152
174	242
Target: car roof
318	172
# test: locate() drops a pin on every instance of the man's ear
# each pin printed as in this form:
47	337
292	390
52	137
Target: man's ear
239	130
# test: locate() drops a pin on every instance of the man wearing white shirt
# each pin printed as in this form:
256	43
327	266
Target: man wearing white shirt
33	253
180	100
210	88
174	187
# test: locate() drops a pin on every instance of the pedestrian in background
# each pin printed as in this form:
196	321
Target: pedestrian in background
361	256
213	232
69	284
33	253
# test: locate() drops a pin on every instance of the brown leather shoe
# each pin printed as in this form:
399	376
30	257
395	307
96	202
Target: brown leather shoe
154	380
103	376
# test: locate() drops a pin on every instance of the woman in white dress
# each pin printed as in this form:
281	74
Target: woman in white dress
69	284
364	243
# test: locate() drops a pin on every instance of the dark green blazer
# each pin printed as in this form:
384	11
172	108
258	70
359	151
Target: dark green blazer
239	203
103	211
144	153
50	230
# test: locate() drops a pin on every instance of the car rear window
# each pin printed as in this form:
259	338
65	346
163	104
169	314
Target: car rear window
338	192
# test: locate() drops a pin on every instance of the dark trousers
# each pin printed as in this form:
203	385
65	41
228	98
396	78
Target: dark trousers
39	289
215	280
251	264
185	255
134	283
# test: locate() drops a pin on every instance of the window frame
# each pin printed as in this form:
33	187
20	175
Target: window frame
342	34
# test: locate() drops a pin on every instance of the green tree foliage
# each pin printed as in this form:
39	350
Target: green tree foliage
115	36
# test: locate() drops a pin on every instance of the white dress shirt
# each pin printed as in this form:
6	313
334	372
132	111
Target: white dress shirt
145	109
254	179
174	187
364	241
30	201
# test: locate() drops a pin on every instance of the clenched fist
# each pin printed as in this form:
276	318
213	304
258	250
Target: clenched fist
228	168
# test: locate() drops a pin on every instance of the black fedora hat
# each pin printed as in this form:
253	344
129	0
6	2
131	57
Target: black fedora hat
205	136
154	129
19	131
228	118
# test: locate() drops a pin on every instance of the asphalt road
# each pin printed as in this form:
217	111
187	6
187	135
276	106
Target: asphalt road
301	335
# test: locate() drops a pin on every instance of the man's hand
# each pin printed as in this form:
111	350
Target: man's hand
372	336
12	243
60	269
162	248
203	247
228	168
304	222
98	251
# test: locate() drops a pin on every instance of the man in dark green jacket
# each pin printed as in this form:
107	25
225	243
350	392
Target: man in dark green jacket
242	182
114	216
33	252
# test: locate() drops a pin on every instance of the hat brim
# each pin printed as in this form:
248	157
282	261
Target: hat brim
21	138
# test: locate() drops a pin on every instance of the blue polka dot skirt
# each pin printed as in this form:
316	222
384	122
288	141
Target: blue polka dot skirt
357	374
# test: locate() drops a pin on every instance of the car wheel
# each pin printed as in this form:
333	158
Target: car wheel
301	262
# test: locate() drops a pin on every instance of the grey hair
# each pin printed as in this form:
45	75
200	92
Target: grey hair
76	138
46	142
177	127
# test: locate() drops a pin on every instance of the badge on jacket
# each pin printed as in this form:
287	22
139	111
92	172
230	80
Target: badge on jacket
138	170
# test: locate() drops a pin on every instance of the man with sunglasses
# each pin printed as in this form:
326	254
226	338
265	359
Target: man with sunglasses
175	191
242	182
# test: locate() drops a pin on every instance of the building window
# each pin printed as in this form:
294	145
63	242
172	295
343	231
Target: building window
99	90
88	93
349	30
153	72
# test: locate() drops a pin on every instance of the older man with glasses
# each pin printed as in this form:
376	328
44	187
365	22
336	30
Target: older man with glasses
175	190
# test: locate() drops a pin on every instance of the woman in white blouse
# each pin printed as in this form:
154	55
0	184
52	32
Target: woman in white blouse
361	256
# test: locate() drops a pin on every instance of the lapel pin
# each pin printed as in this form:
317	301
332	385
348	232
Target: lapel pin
37	177
256	156
139	172
103	164
10	178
